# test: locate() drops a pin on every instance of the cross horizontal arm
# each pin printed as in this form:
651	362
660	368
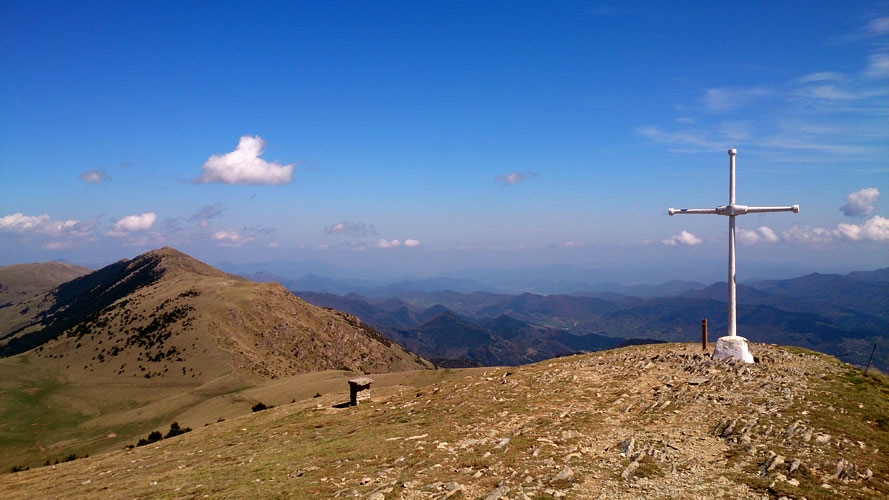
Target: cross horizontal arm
734	209
758	210
674	211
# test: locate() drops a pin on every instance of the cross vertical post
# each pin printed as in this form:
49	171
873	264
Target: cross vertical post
732	345
732	290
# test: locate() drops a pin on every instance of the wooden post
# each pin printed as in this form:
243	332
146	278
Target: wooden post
704	334
870	359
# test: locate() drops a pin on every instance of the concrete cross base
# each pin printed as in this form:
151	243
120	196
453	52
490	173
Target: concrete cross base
733	347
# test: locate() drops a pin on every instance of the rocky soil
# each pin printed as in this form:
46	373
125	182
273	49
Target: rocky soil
661	421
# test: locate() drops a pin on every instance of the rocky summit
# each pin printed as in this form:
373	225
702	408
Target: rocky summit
656	421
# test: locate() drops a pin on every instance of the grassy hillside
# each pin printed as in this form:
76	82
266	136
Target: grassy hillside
657	421
142	342
21	283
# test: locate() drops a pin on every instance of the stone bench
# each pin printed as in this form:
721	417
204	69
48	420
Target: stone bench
359	389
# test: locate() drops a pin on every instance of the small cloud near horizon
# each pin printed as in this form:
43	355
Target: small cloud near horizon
683	238
244	166
762	234
514	177
349	228
409	243
95	176
230	238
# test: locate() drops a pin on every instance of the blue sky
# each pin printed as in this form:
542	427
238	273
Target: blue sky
426	136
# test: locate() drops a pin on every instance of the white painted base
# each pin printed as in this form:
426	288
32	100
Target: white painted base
733	347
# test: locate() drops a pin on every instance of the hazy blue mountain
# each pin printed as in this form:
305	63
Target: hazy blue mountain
839	315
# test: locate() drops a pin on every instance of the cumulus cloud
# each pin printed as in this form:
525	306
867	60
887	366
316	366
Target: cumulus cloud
388	244
244	166
514	177
861	203
132	223
45	225
874	229
409	243
19	222
348	228
762	234
230	238
683	238
95	176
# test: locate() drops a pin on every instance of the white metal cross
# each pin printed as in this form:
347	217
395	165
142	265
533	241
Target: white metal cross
731	210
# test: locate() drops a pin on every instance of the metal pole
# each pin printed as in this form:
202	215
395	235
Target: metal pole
732	324
704	334
870	359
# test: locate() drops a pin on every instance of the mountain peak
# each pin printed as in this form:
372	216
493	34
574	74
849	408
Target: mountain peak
169	260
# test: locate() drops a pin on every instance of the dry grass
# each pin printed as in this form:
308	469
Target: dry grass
543	430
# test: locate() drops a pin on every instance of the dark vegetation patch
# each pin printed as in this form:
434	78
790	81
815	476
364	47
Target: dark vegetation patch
155	436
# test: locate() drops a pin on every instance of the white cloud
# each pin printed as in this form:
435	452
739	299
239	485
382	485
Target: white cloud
806	234
95	176
384	243
19	222
861	203
348	228
132	223
230	238
762	234
388	244
514	177
244	166
874	229
43	224
683	238
879	26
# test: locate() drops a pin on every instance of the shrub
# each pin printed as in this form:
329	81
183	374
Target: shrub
175	430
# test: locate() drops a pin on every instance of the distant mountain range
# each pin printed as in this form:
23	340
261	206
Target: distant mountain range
565	279
842	315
